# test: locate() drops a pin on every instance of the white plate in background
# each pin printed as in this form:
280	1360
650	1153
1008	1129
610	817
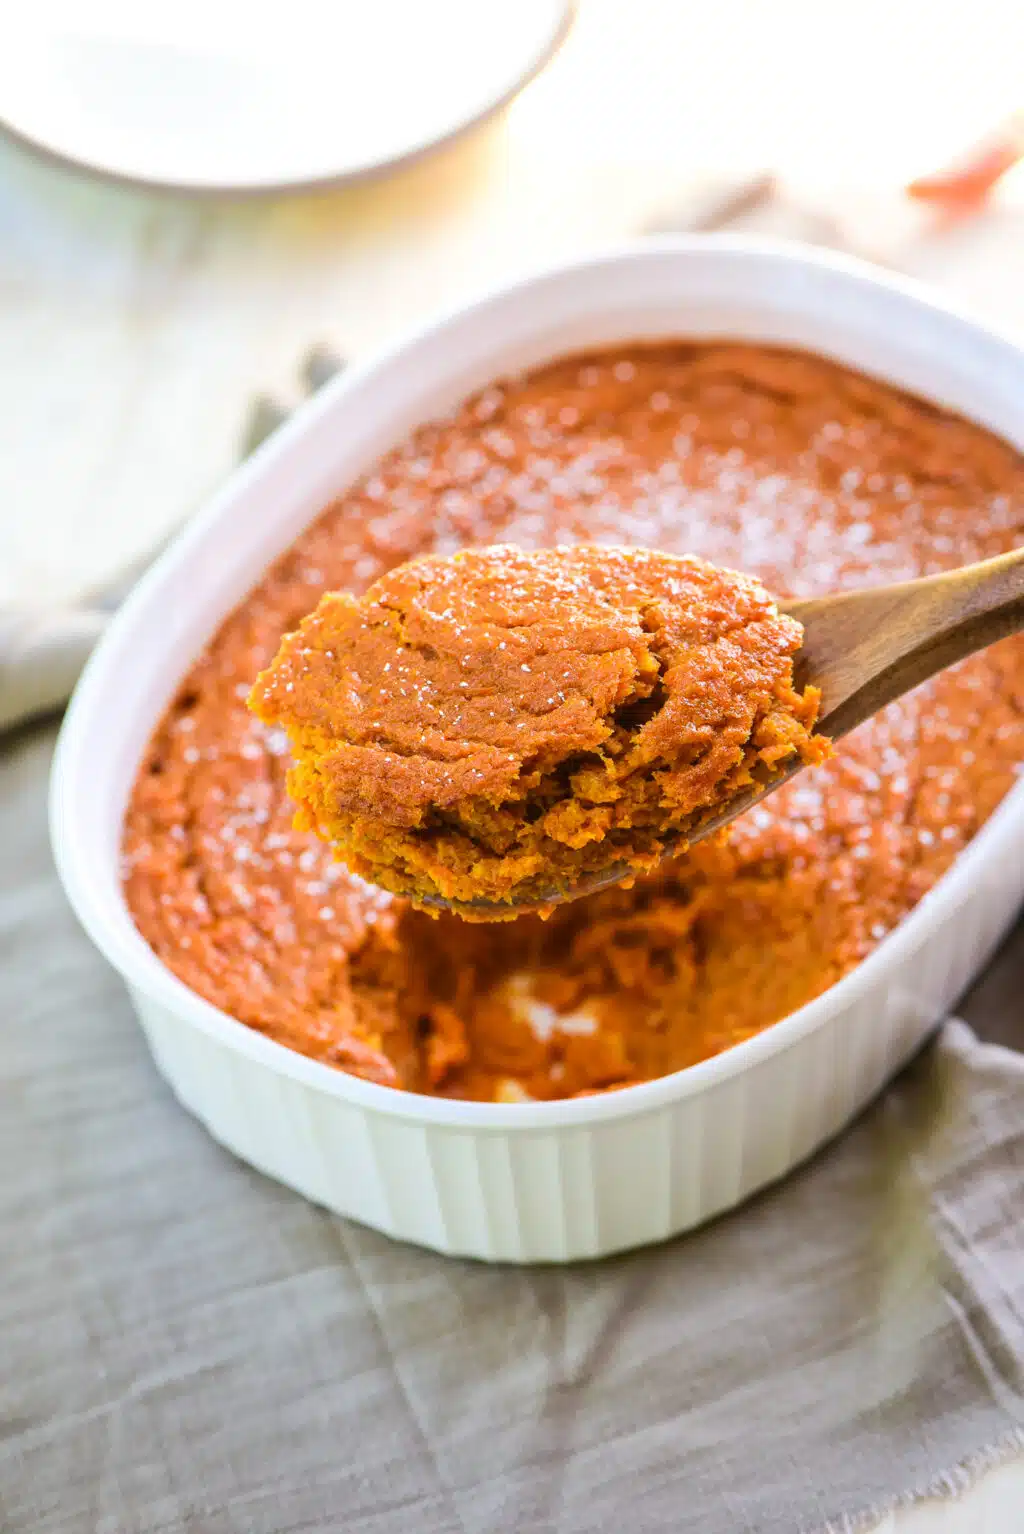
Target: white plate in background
213	96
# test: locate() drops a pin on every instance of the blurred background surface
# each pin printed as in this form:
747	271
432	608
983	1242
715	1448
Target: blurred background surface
136	325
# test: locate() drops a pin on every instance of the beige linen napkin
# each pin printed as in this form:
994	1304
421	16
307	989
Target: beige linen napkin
43	650
41	657
189	1347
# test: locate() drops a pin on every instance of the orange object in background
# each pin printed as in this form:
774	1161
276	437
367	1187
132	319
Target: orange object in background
964	188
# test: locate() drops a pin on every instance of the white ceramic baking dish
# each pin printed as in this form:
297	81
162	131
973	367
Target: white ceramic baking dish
533	1181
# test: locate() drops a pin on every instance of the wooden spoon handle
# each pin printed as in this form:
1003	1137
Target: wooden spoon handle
865	648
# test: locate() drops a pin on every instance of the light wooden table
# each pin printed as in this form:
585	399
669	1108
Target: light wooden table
135	327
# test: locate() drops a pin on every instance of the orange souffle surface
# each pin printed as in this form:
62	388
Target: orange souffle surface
780	464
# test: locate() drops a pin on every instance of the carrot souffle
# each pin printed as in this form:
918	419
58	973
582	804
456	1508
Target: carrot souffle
778	463
497	725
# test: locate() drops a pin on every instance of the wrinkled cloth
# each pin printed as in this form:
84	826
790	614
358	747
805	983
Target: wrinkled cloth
187	1346
41	657
43	650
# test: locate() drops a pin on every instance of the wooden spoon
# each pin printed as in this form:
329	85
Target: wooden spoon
863	649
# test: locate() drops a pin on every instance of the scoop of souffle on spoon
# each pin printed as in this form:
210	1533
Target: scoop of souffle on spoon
499	731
